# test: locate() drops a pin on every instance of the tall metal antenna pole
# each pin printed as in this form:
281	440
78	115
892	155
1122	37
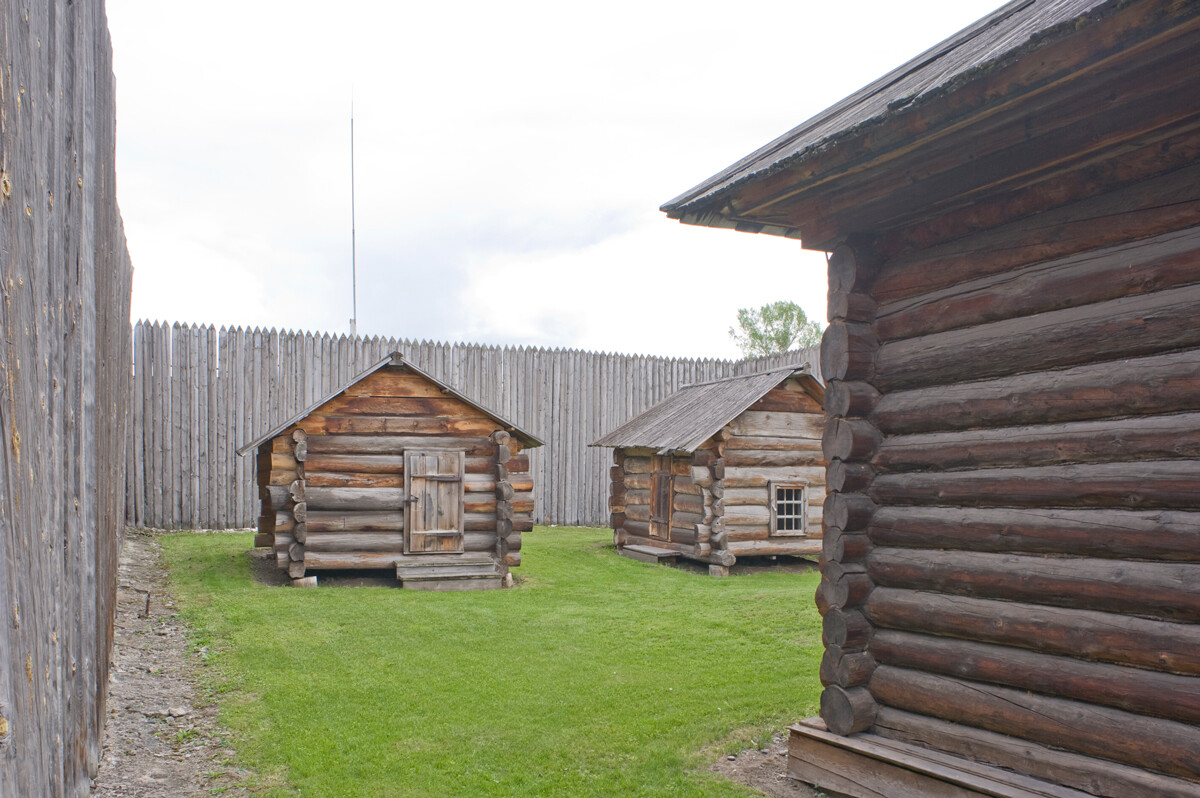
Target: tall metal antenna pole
353	253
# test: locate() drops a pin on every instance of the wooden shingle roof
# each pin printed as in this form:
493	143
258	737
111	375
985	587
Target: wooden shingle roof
394	359
1005	34
694	413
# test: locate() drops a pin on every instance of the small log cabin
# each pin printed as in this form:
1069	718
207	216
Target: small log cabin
720	470
396	471
1011	565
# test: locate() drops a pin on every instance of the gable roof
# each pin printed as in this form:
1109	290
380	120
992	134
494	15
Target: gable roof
394	359
1005	33
694	413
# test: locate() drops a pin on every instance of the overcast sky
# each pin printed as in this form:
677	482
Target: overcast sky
510	159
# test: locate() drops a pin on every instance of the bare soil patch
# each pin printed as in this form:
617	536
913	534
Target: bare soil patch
765	770
161	737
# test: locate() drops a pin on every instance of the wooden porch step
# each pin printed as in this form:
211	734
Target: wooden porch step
869	766
650	554
449	572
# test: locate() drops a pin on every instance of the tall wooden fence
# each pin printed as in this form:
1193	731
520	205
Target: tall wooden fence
200	393
64	383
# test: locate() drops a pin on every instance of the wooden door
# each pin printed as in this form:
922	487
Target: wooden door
433	490
660	498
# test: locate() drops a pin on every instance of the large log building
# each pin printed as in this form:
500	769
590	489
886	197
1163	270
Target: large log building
396	471
1011	580
720	470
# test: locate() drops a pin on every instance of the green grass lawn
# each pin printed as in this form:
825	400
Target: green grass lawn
595	675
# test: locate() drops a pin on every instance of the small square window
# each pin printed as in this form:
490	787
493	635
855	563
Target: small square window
789	508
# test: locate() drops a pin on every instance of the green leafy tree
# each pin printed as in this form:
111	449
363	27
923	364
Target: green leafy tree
774	328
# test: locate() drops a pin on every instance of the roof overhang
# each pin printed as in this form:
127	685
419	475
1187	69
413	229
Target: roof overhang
1101	99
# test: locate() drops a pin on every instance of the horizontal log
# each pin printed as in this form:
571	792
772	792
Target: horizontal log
851	306
850	439
748	514
776	547
274	497
355	542
687	503
1162	695
685	485
277	461
480	522
845	547
522	523
1149	385
383	443
637	482
761	476
808	455
852	267
386	406
278	478
1090	634
284	522
741	532
847	629
847	711
1164	591
1155	744
503	492
512	559
778	425
686	520
685	535
616	473
518	464
637	465
264	541
702	475
736	497
636	528
1090	774
845	399
849	350
334	479
1139	438
324	521
845	668
785	401
356	463
479	541
395	381
1126	327
522	502
280	443
300	532
768	443
637	512
848	512
850	590
361	499
1148	484
844	477
1107	534
482	503
681	467
1081	279
347	561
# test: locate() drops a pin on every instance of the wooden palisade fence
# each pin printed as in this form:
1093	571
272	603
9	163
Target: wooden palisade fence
199	393
64	383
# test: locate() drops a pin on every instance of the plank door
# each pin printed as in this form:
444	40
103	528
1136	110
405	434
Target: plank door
433	490
660	498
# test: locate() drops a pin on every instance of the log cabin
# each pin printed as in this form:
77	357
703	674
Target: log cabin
1011	566
720	470
400	472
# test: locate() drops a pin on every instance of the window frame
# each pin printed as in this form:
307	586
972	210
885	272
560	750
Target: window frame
773	503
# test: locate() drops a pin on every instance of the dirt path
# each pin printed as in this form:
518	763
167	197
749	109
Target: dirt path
161	738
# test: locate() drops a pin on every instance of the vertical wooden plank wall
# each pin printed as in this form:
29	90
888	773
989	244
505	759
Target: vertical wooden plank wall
64	392
204	392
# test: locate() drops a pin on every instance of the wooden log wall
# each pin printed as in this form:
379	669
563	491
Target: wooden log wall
1012	555
200	393
778	439
64	390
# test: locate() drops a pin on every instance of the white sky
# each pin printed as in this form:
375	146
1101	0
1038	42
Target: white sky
510	159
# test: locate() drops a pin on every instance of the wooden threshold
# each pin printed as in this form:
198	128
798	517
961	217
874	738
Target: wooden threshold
869	766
